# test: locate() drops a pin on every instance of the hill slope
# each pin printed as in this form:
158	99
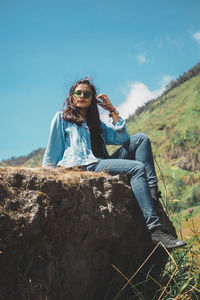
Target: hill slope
31	160
172	123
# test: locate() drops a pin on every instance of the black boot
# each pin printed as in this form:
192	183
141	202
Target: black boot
156	195
160	234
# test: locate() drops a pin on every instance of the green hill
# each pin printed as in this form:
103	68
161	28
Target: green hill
172	123
31	160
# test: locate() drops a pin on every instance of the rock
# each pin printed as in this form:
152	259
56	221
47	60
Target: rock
186	159
64	238
190	162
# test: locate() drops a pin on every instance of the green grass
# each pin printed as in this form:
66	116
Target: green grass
181	277
173	126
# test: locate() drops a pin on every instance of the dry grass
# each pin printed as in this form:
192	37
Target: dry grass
162	288
187	232
65	175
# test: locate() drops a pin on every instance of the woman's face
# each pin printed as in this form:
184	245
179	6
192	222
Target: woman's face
82	96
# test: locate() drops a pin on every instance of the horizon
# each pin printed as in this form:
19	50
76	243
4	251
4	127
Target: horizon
130	50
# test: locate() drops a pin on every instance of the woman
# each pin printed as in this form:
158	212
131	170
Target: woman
78	138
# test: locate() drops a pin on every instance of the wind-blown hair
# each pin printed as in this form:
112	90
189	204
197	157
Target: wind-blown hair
72	114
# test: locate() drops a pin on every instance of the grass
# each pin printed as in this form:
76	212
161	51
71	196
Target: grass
186	282
190	225
174	129
181	278
69	176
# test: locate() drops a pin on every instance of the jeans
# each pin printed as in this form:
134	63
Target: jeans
135	160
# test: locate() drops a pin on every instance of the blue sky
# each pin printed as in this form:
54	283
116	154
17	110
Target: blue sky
129	48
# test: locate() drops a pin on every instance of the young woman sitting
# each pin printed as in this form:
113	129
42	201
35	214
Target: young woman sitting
78	138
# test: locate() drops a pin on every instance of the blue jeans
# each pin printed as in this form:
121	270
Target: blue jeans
135	160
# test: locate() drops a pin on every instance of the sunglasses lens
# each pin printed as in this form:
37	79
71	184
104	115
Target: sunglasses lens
77	94
86	94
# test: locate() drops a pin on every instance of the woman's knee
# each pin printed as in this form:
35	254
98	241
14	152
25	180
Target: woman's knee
140	136
137	167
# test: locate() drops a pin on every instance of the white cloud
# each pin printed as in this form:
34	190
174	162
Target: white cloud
196	36
165	80
138	94
141	59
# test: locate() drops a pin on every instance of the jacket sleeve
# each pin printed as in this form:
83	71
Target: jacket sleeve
55	147
116	135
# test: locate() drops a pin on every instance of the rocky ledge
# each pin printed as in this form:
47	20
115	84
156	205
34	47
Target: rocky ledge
68	234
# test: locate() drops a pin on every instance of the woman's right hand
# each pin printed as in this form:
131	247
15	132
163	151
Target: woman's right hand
105	102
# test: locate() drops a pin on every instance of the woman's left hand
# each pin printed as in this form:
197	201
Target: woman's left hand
105	102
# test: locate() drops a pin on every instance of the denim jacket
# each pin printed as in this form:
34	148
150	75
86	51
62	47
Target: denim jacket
69	144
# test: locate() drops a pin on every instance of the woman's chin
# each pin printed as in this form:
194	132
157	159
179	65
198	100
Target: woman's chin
82	105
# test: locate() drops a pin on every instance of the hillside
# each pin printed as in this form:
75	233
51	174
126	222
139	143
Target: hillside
172	123
31	160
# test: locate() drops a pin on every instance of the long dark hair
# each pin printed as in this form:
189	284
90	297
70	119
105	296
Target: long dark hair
72	114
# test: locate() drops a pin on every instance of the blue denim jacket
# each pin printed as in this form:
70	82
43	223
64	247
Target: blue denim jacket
69	144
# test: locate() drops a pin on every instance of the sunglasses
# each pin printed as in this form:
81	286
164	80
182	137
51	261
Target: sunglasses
86	94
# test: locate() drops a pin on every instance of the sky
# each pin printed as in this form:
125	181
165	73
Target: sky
130	49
